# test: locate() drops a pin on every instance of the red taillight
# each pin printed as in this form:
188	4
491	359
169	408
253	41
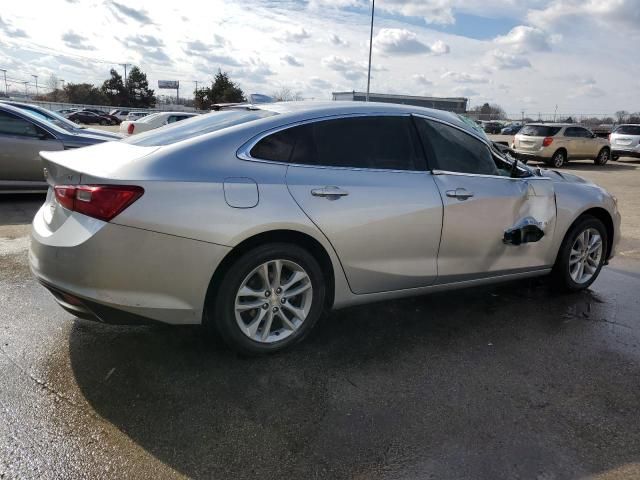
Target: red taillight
547	141
130	128
103	202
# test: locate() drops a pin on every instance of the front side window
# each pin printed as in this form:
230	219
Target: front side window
13	125
452	150
387	143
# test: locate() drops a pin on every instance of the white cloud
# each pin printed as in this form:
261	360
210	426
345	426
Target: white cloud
346	67
613	14
465	92
421	79
524	39
399	41
500	60
292	61
338	41
463	77
295	35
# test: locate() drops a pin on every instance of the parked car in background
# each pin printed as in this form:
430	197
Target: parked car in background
555	144
492	127
511	129
254	222
66	111
113	120
625	141
120	113
136	115
152	121
90	118
22	136
61	121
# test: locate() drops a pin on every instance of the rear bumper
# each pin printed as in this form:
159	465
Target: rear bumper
526	156
122	274
626	153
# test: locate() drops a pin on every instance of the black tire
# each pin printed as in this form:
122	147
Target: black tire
561	275
220	312
603	156
103	122
558	160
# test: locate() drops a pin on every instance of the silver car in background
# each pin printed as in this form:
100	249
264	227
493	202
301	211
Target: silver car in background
23	134
254	222
625	141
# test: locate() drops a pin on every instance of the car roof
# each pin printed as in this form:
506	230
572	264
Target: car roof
314	109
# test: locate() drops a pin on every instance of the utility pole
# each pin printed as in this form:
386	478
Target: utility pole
6	88
373	7
554	113
125	65
36	77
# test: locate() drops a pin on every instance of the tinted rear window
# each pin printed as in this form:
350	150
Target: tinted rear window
382	142
539	130
628	130
196	126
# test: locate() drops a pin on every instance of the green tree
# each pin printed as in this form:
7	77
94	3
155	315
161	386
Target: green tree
113	88
139	93
222	90
84	93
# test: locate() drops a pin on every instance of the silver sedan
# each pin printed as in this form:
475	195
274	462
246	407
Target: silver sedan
254	222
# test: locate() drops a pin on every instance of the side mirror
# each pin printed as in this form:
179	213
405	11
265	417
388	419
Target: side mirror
526	231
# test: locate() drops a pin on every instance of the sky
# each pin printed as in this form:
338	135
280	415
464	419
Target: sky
536	56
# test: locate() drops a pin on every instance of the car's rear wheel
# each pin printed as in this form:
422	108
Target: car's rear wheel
270	298
603	157
103	122
582	254
558	159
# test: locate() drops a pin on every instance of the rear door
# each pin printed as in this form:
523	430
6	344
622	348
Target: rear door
362	181
482	203
20	142
576	143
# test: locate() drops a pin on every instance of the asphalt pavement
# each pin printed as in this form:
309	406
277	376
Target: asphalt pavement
510	381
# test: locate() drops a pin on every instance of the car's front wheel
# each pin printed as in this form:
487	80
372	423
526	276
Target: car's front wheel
270	298
603	157
582	254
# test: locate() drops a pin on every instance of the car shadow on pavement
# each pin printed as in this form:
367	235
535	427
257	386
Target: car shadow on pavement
500	382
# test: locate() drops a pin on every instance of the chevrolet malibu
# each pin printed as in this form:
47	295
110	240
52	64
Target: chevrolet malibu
254	222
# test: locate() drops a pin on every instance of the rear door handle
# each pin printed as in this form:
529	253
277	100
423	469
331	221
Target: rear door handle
459	193
329	192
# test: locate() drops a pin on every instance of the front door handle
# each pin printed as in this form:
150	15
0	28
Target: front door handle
459	193
329	192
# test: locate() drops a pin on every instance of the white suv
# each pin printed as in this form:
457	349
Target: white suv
625	141
555	144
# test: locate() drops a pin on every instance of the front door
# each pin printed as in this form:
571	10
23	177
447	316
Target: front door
20	144
481	203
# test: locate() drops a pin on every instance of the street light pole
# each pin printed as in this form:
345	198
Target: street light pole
6	88
373	7
36	77
26	92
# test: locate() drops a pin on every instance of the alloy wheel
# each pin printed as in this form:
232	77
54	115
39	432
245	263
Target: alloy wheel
273	301
558	160
585	256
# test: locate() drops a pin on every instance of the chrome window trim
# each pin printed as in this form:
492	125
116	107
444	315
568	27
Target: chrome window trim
243	153
463	174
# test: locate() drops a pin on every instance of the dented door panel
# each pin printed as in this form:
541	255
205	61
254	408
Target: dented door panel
474	227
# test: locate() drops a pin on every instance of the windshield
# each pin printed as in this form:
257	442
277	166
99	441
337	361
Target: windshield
146	118
539	130
628	130
193	127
